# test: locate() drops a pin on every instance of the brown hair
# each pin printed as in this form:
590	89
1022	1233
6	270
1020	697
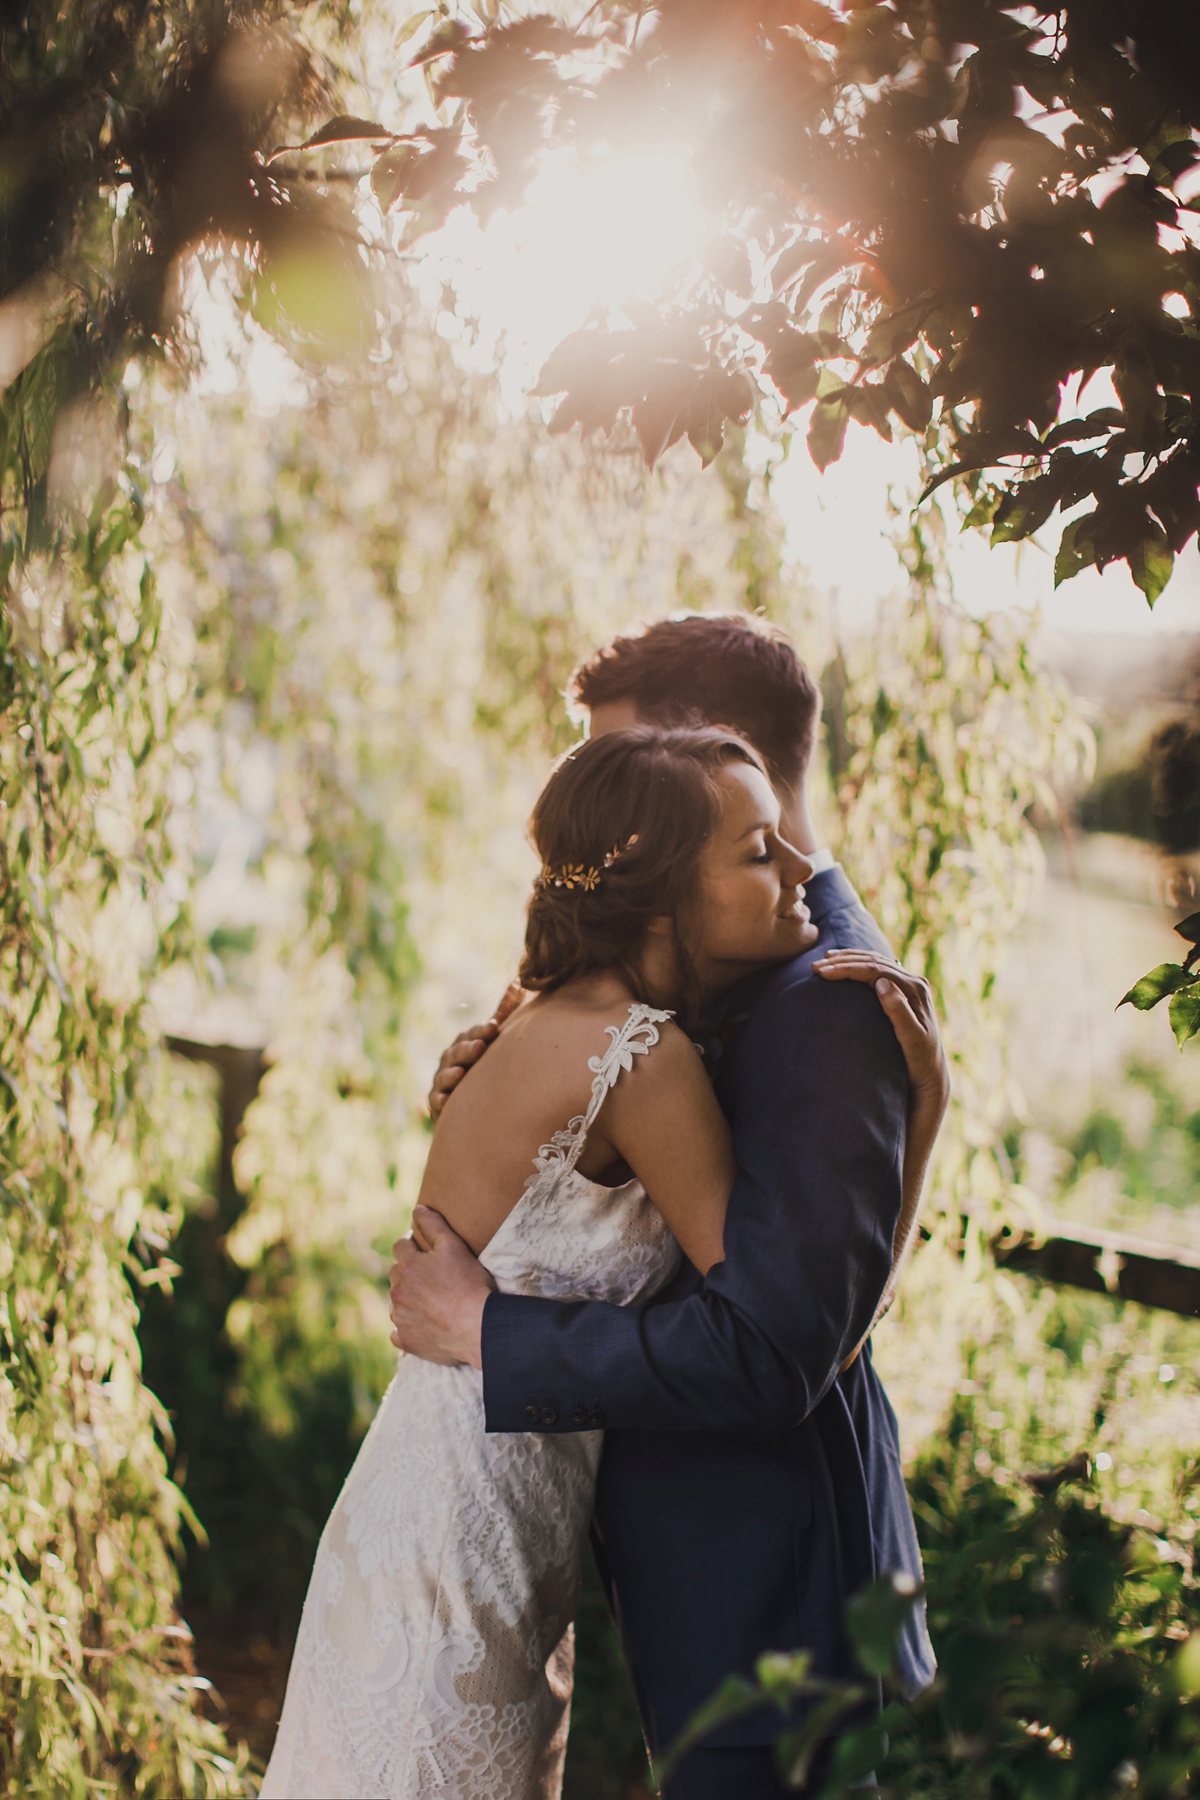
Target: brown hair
651	795
719	668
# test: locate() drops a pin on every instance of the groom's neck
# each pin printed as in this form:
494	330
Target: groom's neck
796	820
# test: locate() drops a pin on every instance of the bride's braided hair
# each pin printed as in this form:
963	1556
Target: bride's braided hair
620	827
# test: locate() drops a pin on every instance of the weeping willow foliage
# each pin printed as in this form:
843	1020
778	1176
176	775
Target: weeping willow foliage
952	734
949	738
97	1690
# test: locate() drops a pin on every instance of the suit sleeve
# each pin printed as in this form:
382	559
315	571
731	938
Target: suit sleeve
819	1104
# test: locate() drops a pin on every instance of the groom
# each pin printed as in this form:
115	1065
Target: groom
747	1488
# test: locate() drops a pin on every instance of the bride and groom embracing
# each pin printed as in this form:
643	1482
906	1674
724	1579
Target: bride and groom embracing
666	1199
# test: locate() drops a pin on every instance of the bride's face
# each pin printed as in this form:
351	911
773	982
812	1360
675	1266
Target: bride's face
750	904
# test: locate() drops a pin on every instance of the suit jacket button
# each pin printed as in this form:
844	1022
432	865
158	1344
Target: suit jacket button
531	1413
579	1416
595	1420
549	1416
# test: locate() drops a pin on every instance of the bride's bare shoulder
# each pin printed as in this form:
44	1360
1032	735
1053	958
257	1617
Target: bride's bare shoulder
582	1018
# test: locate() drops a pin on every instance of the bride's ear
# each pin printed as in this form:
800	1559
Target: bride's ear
662	926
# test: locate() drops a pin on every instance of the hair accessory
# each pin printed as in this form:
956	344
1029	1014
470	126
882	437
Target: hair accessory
571	875
574	875
619	850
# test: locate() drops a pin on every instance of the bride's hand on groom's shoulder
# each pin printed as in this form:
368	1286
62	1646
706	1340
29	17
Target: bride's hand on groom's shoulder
908	1002
467	1048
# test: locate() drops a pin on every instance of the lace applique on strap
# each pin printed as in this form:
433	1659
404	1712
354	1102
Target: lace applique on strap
637	1036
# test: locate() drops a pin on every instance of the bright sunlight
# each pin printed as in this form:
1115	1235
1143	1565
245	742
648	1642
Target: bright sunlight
598	235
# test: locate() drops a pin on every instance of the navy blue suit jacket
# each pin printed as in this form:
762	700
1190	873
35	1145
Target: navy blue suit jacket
746	1489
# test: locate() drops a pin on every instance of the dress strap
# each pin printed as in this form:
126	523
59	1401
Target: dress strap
637	1036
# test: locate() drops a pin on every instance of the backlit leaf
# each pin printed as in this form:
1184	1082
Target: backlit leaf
342	130
1184	1014
1075	550
412	25
1151	562
1167	978
827	431
907	394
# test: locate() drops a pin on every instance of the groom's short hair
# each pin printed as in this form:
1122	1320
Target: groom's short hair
720	668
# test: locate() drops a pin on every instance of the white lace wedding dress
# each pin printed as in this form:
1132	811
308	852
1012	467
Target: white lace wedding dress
435	1652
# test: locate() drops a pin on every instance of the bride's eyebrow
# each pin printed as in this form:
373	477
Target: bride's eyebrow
759	825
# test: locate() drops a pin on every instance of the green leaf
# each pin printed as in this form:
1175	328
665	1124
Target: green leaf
984	509
827	431
783	1675
1027	506
1075	550
795	1751
1185	1670
735	1697
1184	1013
1151	561
342	130
857	1753
391	173
892	334
789	262
411	26
875	1618
792	366
868	404
907	395
1167	978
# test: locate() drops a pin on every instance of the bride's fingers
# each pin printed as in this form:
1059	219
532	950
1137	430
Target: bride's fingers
844	961
862	966
866	966
908	1002
911	1033
850	951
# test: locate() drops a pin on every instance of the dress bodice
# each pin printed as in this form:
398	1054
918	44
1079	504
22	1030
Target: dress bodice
568	1238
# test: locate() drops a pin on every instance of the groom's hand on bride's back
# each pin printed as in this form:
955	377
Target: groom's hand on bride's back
467	1048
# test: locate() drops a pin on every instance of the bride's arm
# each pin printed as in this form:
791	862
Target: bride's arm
908	1003
662	1118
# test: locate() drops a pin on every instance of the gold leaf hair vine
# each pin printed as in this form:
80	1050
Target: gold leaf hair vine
576	876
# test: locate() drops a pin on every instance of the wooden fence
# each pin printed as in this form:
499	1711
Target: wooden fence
1107	1262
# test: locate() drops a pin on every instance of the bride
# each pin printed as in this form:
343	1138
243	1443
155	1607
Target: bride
435	1652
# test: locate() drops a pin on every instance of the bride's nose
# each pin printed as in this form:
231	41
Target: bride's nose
796	868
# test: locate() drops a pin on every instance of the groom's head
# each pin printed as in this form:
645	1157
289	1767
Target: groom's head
721	668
